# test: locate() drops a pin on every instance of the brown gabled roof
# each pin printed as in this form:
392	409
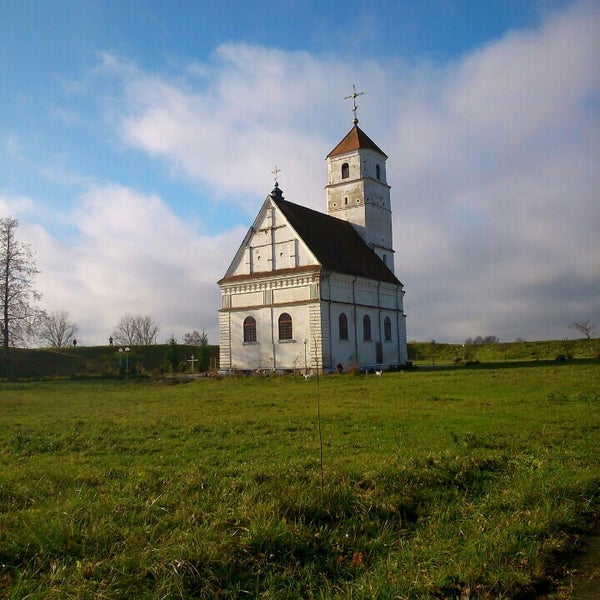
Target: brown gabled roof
356	139
335	243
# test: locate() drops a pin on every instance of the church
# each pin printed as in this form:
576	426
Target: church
308	290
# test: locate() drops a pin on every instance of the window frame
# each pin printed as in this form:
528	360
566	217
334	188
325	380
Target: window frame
387	329
343	327
367	330
285	327
249	330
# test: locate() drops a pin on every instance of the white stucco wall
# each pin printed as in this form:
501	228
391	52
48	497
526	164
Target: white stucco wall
270	245
315	318
265	299
268	352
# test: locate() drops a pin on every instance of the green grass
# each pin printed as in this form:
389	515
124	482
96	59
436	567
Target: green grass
424	353
458	483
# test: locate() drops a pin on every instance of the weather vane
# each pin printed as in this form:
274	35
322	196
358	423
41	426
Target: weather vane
353	96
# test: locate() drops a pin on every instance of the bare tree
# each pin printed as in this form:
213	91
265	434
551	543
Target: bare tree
136	330
192	338
57	330
587	328
124	332
18	297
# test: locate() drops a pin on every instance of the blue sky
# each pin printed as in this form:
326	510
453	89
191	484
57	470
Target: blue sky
137	141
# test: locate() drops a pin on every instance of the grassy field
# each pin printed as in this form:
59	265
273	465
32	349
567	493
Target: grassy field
425	353
457	483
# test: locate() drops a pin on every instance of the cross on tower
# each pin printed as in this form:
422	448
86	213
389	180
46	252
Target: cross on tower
354	95
276	172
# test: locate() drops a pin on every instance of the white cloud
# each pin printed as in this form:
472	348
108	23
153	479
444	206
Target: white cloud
257	107
493	167
133	256
503	237
15	206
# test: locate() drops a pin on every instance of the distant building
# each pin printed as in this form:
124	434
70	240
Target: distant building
314	287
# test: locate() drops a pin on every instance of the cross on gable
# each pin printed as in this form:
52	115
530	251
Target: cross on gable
353	96
276	172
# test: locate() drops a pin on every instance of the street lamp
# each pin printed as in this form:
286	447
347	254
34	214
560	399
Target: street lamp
127	350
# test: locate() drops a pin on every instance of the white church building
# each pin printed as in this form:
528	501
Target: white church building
308	290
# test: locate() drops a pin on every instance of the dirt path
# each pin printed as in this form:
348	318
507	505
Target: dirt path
584	582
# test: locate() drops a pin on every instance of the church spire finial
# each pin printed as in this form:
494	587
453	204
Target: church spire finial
276	193
353	96
276	172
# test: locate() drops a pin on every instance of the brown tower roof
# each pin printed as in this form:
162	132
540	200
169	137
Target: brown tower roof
356	139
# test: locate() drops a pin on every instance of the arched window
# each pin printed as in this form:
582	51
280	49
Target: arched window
387	329
343	326
377	172
249	330
366	328
285	327
345	171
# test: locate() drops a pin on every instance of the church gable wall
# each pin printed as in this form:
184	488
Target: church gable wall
272	245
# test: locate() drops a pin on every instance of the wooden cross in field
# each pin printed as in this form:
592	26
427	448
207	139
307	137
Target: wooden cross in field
192	359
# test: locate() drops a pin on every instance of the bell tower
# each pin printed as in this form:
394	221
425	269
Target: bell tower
357	189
